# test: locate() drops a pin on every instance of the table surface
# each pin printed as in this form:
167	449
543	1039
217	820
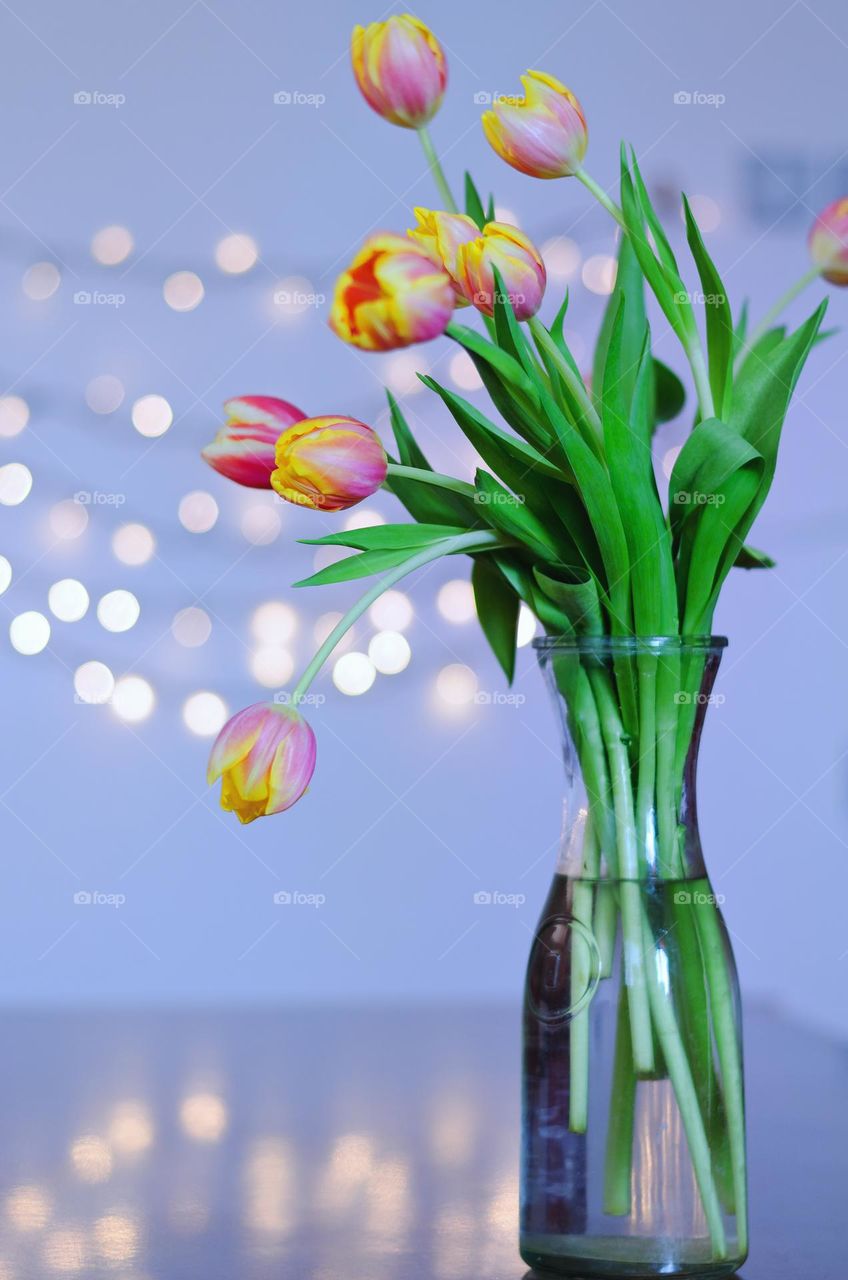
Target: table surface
313	1145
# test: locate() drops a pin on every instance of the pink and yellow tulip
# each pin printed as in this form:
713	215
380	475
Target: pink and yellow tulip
517	261
829	242
243	449
400	68
440	235
265	756
544	133
391	295
329	464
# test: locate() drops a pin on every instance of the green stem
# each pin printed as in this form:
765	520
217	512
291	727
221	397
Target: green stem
436	170
601	196
572	380
578	1032
782	303
619	1150
473	541
435	478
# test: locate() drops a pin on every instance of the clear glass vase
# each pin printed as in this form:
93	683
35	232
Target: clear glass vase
633	1137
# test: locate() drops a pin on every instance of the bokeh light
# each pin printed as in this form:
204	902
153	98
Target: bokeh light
133	699
354	673
41	281
325	624
707	213
204	713
272	666
393	611
116	1237
5	574
294	296
104	393
455	601
527	626
183	291
191	627
63	1251
133	544
562	258
261	524
68	519
29	632
152	415
91	1159
599	273
93	682
236	253
203	1117
15	484
198	511
402	372
390	652
28	1208
68	600
464	373
274	622
112	245
363	518
456	685
131	1128
118	610
14	415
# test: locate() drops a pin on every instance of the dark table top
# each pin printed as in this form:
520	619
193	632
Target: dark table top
223	1145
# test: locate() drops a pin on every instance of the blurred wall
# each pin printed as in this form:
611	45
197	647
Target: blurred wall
162	118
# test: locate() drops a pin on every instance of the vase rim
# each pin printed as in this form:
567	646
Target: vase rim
608	645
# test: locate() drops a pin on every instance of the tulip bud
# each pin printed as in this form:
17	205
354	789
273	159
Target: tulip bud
544	133
265	756
518	263
391	295
400	68
329	464
440	236
829	242
243	449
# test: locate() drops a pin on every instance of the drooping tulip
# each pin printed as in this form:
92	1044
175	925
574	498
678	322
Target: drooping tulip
329	464
544	133
829	242
440	235
265	756
243	450
391	295
517	261
400	68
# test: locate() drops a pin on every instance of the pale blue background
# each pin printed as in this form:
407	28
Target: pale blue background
412	811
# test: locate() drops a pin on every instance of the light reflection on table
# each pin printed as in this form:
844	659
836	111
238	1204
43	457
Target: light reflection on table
321	1146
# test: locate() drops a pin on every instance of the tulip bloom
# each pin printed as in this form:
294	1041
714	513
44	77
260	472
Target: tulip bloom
265	756
440	236
401	70
829	242
329	464
243	449
544	133
518	263
391	295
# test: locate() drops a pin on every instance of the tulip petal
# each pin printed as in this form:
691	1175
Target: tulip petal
235	740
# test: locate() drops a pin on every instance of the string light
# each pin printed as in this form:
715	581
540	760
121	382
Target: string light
402	374
118	610
104	393
362	518
325	624
272	666
41	281
463	372
526	629
562	258
5	574
204	713
68	600
133	699
191	627
15	484
236	254
391	612
183	291
599	273
390	652
152	416
68	519
274	622
354	673
455	601
112	245
456	685
93	682
133	544
29	632
294	295
198	511
14	415
91	1158
261	525
203	1117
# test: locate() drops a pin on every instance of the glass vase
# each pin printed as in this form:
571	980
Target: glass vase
633	1131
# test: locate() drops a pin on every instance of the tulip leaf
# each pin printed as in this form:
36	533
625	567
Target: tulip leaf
473	203
720	339
361	565
507	329
751	558
387	537
740	331
660	272
575	592
669	393
512	393
497	608
424	502
629	284
512	517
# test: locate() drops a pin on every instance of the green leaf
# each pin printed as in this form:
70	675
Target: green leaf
751	558
359	566
424	502
473	203
669	393
508	331
575	592
629	284
740	331
497	608
512	392
387	537
661	273
513	518
720	338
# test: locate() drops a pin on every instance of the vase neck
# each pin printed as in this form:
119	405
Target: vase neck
631	720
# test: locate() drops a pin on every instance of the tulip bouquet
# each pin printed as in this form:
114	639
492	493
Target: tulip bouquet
565	514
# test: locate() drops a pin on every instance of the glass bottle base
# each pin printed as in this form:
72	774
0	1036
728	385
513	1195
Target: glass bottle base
624	1258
